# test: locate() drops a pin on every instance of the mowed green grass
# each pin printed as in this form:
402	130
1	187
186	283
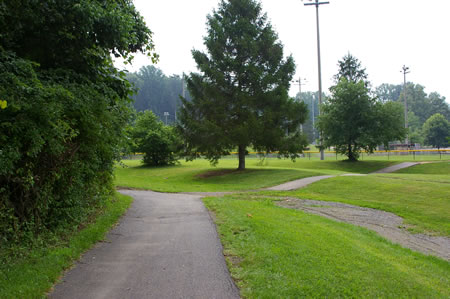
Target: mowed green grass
423	204
423	200
190	176
436	168
34	273
274	252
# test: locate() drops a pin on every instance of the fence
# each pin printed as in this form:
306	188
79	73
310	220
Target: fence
395	155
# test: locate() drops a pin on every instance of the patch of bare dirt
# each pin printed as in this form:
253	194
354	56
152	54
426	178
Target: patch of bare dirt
220	172
386	224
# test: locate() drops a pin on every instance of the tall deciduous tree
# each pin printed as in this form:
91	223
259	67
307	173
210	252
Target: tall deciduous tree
240	97
67	106
437	131
352	120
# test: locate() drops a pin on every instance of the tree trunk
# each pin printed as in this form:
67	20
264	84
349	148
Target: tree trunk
351	156
242	149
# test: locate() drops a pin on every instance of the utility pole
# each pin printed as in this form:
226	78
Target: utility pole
183	94
299	82
313	122
317	3
405	70
166	114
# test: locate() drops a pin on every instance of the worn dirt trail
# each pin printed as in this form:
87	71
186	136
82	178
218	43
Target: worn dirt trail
384	223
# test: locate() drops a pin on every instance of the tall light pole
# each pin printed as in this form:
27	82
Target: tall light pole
405	70
299	82
317	3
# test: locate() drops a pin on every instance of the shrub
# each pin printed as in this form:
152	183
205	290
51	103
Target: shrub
157	141
60	134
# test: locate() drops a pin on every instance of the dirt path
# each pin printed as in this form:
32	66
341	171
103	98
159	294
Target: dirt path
386	224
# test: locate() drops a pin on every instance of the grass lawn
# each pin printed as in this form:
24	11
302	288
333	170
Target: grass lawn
274	252
422	201
442	168
199	175
34	273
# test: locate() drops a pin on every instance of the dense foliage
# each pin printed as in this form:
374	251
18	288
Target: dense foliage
158	142
437	131
240	97
421	106
66	107
157	92
352	120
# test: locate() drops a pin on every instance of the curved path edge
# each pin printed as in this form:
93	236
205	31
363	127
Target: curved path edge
165	246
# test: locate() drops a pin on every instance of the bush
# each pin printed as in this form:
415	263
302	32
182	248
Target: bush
60	134
157	141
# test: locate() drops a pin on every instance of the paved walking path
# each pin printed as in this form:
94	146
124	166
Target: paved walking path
396	167
166	246
297	184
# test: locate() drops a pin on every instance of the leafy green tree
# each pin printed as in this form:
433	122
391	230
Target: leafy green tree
157	141
439	105
352	120
388	92
437	131
67	107
240	98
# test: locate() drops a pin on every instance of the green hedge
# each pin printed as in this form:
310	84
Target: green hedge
60	134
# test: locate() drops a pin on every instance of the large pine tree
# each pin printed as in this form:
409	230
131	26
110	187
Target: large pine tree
240	97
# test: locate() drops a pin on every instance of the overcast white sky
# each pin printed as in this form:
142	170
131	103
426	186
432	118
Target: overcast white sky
383	34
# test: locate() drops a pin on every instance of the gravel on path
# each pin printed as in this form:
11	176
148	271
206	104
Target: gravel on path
384	223
166	246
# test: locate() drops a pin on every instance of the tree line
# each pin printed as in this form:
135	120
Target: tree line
160	93
157	92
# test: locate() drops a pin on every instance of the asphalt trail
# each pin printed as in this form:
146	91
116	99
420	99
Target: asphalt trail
166	246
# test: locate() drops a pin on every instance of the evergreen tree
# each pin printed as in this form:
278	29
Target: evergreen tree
351	69
240	97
